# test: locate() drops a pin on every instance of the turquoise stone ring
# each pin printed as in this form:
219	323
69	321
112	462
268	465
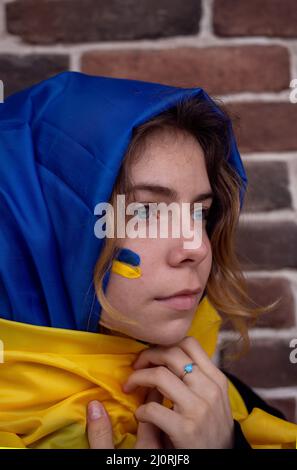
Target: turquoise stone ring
188	368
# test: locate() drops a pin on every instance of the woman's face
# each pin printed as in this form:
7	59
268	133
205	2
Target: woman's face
173	161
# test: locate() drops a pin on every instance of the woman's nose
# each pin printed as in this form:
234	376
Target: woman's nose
179	253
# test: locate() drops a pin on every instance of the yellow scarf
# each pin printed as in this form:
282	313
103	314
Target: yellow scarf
49	375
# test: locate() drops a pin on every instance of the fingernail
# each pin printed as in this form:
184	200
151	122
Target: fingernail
95	410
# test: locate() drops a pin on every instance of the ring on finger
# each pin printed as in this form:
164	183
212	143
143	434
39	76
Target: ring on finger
188	369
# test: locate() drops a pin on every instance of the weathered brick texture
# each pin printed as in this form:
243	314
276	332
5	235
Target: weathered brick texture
219	70
266	365
265	127
268	187
74	21
286	405
20	71
267	245
255	18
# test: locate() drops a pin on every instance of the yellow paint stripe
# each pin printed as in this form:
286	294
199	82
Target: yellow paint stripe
125	270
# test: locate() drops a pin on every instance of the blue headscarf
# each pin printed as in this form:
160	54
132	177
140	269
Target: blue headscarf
62	143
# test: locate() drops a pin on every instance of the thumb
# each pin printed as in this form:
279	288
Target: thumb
99	427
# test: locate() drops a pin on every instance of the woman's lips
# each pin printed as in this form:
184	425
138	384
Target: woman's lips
180	302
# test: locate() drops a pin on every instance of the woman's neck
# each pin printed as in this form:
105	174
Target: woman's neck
106	331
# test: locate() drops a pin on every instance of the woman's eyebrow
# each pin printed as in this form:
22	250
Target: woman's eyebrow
169	192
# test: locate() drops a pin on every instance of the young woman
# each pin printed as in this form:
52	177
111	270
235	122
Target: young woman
123	326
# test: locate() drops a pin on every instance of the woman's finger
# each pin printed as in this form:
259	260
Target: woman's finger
167	383
206	380
158	415
176	357
192	347
149	435
99	427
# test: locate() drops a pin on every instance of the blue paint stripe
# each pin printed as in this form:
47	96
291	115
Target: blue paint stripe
129	257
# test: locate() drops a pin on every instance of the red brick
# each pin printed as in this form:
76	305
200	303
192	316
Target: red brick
286	405
265	126
255	18
72	21
266	365
268	187
217	69
21	71
267	245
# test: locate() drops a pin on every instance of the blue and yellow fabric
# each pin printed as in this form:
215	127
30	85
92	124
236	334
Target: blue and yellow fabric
50	374
62	142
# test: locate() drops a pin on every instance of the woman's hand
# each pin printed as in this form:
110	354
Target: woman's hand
99	427
201	416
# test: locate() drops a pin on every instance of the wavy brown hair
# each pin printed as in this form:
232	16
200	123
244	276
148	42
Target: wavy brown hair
226	288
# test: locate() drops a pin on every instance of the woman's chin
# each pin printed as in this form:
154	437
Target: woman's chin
164	338
168	334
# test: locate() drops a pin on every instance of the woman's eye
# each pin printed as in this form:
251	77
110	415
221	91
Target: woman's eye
199	214
144	212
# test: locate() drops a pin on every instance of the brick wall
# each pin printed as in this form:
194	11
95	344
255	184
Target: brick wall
244	52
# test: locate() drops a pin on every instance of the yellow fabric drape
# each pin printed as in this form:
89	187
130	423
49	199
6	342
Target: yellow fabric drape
49	375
